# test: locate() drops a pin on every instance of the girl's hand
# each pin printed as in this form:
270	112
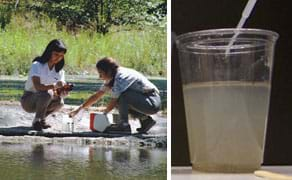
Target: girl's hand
74	112
59	84
64	94
58	91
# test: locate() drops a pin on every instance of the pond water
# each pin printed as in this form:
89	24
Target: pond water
70	161
40	158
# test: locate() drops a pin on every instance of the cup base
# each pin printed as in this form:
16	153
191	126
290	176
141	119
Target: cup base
225	168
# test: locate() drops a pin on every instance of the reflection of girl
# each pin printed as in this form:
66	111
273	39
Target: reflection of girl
131	92
45	76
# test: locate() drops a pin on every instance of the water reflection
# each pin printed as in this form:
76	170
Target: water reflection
125	162
37	156
48	161
144	155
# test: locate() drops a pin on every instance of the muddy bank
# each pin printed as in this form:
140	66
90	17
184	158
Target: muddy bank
14	119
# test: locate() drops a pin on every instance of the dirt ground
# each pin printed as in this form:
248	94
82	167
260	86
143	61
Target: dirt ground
12	115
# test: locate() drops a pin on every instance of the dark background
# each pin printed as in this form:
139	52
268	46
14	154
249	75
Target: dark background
275	15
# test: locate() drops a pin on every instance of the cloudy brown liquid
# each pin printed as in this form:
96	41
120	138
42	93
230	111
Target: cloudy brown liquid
226	125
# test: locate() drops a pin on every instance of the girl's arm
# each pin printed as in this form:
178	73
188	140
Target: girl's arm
91	100
40	87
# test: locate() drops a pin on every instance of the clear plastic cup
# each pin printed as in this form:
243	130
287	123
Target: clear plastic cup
226	96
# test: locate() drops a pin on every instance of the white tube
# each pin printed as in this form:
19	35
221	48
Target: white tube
248	8
245	14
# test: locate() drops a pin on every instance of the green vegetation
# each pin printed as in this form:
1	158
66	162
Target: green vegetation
12	90
135	34
131	31
75	97
100	15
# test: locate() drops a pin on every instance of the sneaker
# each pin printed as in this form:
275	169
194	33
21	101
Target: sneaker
118	128
146	125
37	126
44	124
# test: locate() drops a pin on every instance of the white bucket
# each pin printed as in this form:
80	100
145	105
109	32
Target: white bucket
98	122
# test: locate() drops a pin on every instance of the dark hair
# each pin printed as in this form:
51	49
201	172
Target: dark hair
109	66
55	45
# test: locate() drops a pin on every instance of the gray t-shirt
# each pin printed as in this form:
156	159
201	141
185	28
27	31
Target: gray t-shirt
128	78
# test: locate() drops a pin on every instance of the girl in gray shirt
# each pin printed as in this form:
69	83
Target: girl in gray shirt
131	92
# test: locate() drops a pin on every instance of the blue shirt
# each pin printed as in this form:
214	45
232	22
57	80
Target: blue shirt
128	78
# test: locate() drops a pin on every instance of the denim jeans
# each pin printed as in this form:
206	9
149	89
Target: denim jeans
137	104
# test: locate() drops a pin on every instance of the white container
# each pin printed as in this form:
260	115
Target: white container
98	122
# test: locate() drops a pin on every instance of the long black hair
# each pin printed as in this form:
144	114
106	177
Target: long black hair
55	45
109	66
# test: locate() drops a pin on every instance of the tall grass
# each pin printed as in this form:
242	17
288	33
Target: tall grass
27	36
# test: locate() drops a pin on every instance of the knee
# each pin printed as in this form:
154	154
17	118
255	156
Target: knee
156	105
122	99
154	110
26	107
45	96
61	103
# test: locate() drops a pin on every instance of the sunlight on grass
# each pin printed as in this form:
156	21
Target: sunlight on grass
143	50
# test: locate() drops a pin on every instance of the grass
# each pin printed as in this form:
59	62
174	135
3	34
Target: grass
26	37
10	93
75	97
12	90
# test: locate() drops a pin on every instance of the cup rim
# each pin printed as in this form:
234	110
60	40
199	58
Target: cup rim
181	39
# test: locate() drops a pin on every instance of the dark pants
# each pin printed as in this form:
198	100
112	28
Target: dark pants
42	103
138	104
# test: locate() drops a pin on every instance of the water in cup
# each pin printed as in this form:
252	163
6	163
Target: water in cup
226	97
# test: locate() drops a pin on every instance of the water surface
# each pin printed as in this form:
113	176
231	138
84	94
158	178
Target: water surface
69	161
